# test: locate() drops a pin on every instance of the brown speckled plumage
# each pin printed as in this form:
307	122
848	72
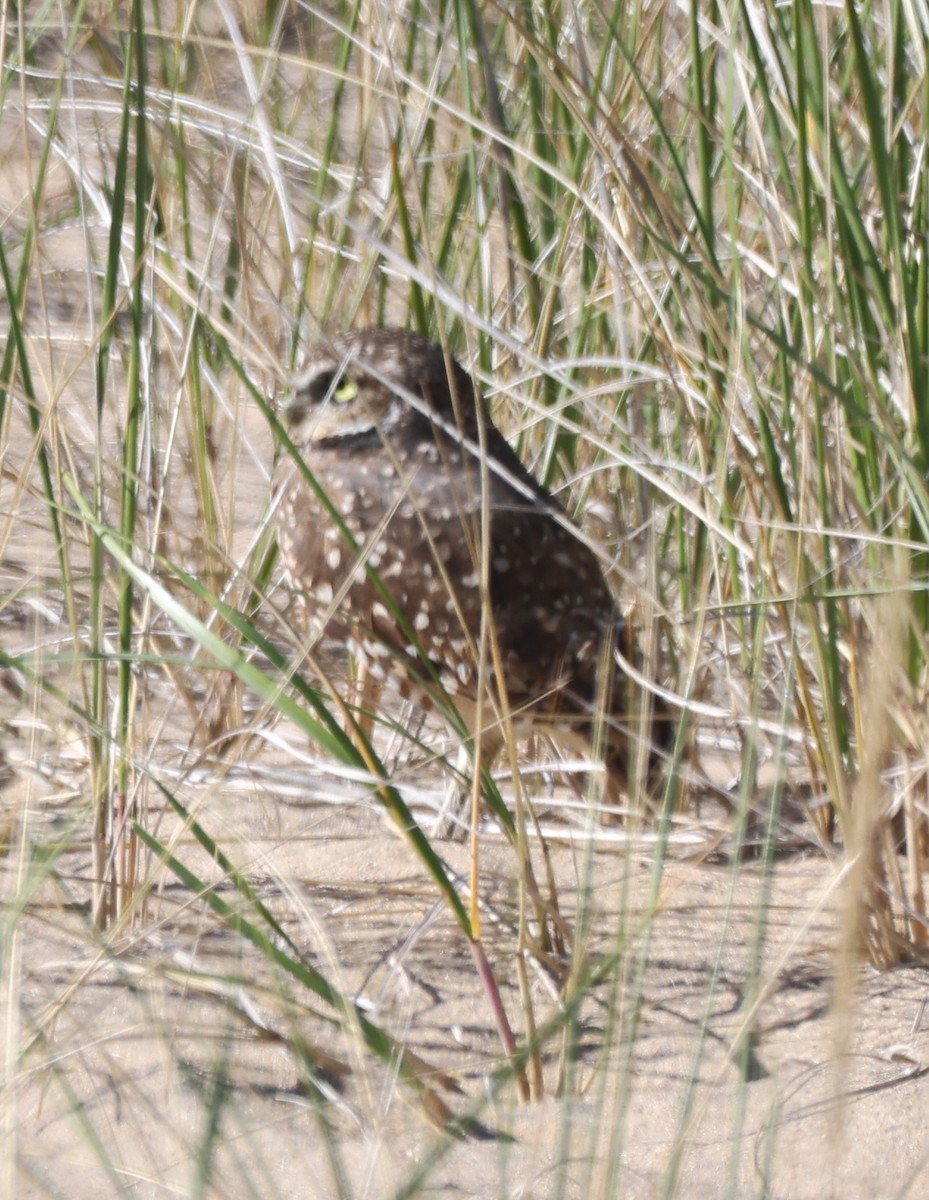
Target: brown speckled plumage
390	430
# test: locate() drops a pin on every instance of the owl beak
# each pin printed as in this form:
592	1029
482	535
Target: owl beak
294	408
299	417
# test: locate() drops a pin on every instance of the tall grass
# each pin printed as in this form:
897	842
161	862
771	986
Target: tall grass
683	249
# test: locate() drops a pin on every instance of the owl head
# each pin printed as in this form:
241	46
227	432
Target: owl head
378	384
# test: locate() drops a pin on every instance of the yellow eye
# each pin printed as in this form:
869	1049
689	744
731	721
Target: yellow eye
347	390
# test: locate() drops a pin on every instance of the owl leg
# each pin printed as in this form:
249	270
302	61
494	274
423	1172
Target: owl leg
635	760
454	817
365	698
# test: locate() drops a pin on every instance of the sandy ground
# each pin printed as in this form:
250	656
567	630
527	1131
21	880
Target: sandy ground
175	1061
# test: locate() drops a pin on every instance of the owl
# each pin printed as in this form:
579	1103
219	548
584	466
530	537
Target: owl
425	547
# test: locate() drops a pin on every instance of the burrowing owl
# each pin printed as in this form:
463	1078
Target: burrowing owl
428	550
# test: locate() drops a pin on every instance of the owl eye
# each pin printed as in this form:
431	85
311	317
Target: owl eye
329	387
346	390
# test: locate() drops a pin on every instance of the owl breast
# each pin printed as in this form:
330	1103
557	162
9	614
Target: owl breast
389	568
